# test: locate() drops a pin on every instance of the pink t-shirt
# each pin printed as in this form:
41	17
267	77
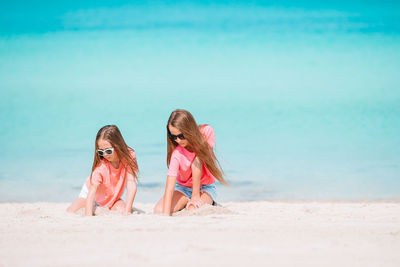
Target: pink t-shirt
111	181
181	161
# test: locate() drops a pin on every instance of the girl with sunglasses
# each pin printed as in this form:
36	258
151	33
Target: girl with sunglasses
114	168
192	165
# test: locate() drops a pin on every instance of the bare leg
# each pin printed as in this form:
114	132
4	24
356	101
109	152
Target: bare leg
206	198
77	205
179	201
119	205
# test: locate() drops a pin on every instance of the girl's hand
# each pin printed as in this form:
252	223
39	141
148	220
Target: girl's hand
194	203
127	212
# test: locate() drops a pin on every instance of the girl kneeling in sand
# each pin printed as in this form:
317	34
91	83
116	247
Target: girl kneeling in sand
114	168
192	165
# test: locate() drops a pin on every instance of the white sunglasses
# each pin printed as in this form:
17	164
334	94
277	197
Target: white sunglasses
107	151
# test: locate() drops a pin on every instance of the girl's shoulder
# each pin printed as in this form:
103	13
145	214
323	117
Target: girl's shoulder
102	167
208	132
179	151
132	152
206	128
132	156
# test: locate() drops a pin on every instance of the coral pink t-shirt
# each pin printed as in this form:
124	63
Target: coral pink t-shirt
111	181
180	165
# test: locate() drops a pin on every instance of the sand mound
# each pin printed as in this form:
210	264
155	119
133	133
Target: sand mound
204	211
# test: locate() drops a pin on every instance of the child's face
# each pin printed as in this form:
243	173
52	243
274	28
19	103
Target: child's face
175	131
103	145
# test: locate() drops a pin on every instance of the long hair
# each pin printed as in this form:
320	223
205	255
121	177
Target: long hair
184	121
112	134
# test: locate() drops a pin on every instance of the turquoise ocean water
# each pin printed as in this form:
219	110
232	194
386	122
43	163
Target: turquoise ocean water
304	96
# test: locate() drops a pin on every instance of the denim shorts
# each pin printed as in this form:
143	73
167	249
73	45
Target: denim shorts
210	189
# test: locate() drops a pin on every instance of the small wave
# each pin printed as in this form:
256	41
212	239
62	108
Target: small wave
150	185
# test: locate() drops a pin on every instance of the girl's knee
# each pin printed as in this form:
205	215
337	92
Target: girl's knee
119	205
157	209
206	198
69	209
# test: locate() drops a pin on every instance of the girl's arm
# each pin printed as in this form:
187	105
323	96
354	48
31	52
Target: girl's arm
130	194
90	200
196	176
169	191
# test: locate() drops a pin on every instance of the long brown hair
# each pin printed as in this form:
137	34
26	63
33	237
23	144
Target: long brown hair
184	121
111	134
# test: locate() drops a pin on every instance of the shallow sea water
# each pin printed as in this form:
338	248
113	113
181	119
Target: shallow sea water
304	97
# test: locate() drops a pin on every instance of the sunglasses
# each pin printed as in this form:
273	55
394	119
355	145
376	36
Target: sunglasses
107	151
173	137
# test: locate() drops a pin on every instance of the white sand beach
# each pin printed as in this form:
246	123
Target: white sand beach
261	233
